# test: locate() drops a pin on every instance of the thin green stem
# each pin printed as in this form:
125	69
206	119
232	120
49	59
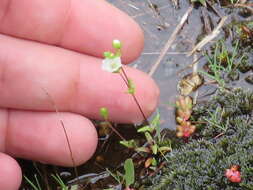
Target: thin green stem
126	79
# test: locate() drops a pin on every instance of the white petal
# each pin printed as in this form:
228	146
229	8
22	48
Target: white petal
106	65
111	65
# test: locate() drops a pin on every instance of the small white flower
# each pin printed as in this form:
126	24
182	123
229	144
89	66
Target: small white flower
112	65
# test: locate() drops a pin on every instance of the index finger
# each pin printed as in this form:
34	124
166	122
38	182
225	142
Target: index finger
87	26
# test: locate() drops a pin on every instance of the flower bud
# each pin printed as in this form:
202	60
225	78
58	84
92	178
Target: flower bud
104	113
107	54
116	44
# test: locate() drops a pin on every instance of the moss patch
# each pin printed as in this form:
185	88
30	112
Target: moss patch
201	163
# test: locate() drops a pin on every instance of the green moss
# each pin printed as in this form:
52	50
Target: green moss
201	163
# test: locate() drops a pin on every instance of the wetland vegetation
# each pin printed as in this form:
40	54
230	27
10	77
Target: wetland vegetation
210	146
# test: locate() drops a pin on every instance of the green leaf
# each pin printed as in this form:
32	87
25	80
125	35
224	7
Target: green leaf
164	148
131	86
74	187
156	120
154	162
154	148
129	144
109	55
129	172
155	123
32	184
149	137
142	149
146	128
58	179
115	176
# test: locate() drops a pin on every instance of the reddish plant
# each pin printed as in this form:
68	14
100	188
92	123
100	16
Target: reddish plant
233	174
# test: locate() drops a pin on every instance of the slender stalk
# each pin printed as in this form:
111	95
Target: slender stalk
115	131
66	136
123	78
126	79
70	150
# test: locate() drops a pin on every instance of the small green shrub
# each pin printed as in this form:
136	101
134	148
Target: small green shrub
201	164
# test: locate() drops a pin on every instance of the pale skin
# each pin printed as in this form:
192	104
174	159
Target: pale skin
55	47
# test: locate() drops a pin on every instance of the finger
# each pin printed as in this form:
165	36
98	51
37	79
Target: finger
76	82
40	136
86	26
10	173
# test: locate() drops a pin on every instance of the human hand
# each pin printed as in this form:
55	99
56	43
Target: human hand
56	45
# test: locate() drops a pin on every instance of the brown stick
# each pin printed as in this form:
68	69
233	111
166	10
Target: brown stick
209	37
170	41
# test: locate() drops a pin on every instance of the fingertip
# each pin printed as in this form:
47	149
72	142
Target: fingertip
110	91
80	135
146	93
10	173
83	139
51	138
126	29
133	42
150	95
104	25
129	32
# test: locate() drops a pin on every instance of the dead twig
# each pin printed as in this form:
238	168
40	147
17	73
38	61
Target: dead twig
246	6
175	3
209	37
219	135
168	53
213	9
207	25
189	66
133	6
170	40
149	11
156	14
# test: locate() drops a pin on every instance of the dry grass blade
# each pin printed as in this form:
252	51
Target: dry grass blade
170	41
246	6
175	3
214	9
150	11
133	6
207	23
209	37
243	1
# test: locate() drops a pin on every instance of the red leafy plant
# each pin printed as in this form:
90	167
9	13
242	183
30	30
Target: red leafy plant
233	174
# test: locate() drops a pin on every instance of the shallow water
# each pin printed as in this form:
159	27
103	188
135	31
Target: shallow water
158	23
